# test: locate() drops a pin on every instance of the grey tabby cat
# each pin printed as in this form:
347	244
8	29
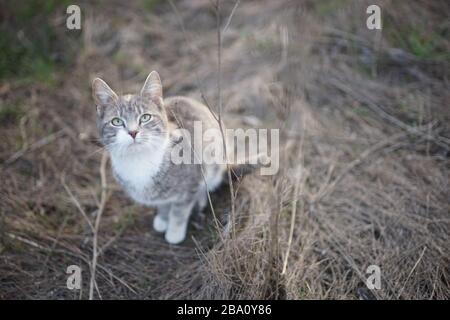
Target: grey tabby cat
137	130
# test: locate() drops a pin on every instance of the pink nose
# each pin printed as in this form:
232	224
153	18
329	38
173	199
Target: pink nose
133	134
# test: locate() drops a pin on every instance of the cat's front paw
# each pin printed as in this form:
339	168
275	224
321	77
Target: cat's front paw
176	234
160	224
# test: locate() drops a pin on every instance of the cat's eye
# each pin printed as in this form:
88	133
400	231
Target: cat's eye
117	122
145	118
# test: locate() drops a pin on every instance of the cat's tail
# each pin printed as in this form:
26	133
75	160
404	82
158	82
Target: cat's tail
251	164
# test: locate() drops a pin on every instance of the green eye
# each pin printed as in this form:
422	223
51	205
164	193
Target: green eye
145	118
117	122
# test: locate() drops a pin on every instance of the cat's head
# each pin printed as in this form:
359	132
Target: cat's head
131	123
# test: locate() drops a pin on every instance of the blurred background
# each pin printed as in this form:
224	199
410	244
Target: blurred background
364	138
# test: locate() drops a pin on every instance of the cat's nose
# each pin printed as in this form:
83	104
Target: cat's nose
133	133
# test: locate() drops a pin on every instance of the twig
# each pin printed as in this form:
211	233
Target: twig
189	45
193	52
294	203
411	272
77	203
97	224
196	156
219	93
27	241
291	230
218	118
38	144
230	17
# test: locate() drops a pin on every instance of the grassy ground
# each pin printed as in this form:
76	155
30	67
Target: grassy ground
365	137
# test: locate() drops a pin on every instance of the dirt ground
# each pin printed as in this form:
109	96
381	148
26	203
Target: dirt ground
364	150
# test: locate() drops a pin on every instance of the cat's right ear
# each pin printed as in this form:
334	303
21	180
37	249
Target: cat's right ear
103	95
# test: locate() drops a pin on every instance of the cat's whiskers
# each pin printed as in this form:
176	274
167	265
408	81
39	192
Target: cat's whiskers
103	148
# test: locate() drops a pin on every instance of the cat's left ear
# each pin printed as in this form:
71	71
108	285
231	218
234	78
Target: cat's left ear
152	88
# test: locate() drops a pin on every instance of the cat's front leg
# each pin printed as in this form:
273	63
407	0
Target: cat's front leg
161	220
178	221
202	198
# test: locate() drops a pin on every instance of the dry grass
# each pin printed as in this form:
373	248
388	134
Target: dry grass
364	175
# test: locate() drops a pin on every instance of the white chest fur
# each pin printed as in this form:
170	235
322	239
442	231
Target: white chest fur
136	170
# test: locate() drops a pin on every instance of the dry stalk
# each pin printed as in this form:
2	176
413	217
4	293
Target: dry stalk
97	224
219	92
299	178
38	144
411	272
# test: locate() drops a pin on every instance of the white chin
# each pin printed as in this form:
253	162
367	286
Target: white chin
129	148
135	146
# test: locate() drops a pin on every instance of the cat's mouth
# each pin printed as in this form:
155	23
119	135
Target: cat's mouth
135	144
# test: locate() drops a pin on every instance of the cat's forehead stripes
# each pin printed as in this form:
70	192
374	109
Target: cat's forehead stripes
127	97
131	104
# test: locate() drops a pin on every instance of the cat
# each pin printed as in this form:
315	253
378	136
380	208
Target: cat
138	131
